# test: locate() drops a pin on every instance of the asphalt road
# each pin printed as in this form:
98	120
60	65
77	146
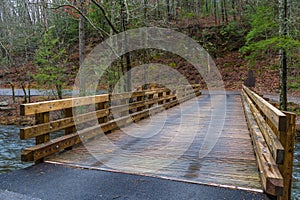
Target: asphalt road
48	181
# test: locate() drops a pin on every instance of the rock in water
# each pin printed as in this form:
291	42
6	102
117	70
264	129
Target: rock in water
3	104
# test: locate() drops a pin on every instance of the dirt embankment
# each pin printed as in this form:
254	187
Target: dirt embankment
10	112
223	47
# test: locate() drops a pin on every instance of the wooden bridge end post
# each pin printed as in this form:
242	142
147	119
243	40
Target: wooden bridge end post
287	139
40	119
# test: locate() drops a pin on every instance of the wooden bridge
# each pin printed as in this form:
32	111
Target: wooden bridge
233	140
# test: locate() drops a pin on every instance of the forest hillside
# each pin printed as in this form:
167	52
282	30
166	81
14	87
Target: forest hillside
44	42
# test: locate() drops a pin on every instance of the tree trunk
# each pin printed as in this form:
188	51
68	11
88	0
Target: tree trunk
168	10
283	54
29	91
28	12
45	16
225	11
215	11
24	91
206	6
81	48
283	80
222	11
158	9
146	9
13	91
200	6
233	6
29	95
177	11
127	55
59	91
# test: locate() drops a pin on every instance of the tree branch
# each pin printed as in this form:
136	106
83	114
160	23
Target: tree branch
105	16
7	54
84	16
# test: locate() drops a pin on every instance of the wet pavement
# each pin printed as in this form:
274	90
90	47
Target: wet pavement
53	182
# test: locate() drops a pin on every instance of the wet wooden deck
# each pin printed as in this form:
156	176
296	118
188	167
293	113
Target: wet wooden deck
173	145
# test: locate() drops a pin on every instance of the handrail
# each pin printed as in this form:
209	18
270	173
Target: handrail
112	111
273	114
273	137
49	106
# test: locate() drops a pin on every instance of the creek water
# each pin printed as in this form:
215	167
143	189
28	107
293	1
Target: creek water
11	146
10	149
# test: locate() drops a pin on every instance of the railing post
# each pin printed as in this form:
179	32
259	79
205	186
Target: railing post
101	106
168	92
125	101
72	129
40	119
150	97
287	140
140	99
160	96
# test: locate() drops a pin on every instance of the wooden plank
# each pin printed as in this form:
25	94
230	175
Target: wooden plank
160	90
121	96
272	140
138	94
149	98
42	150
288	141
71	129
152	100
161	97
127	95
233	165
141	99
271	178
103	106
41	118
47	106
150	93
126	107
48	148
69	114
41	129
272	113
168	93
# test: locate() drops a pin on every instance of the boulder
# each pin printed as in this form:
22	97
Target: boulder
3	104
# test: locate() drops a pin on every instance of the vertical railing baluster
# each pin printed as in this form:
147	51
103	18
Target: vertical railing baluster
42	118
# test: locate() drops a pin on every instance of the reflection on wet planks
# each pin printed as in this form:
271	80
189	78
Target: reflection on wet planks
168	144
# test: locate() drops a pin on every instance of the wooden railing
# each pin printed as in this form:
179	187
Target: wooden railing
111	110
273	137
